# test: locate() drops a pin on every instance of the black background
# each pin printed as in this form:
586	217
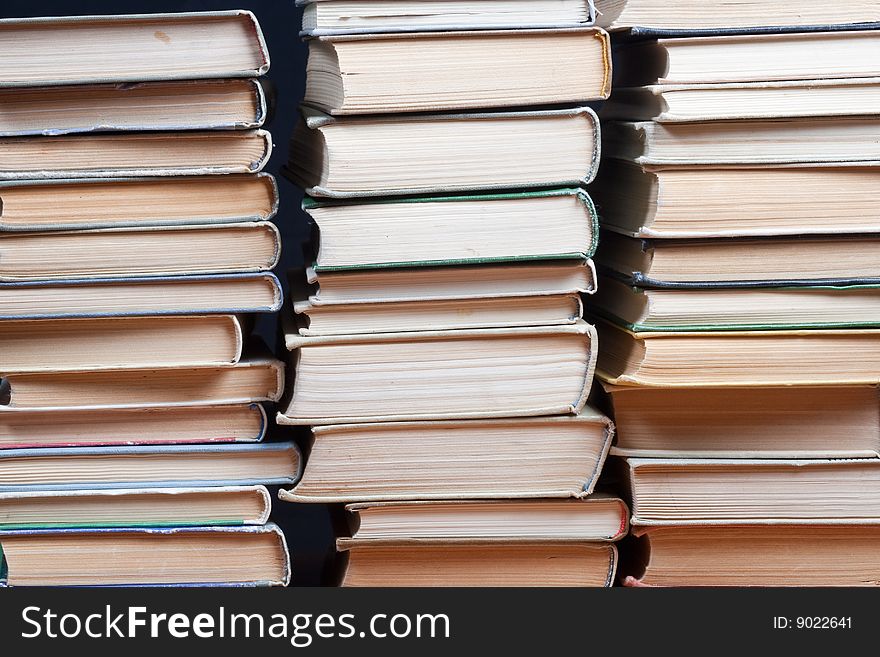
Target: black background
308	527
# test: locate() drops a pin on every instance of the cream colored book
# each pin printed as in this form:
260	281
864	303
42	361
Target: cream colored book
738	358
479	373
545	457
756	555
439	71
76	204
427	154
768	422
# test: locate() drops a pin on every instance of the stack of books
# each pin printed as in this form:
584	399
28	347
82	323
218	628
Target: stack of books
739	303
129	268
439	353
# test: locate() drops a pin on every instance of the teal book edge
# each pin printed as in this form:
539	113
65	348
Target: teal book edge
310	203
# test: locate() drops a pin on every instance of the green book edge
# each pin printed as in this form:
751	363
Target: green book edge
115	525
309	202
4	568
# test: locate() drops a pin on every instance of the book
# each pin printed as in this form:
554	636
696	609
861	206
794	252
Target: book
443	153
494	281
89	203
131	48
738	358
129	297
777	262
693	202
756	555
186	105
179	556
253	379
439	71
480	373
121	342
135	507
453	230
807	422
724	101
729	15
595	518
133	252
492	564
355	17
162	466
744	309
832	142
142	425
542	457
753	491
125	155
458	314
754	57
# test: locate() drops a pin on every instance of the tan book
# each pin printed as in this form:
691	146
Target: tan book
543	457
738	358
186	105
756	555
239	556
120	342
478	373
135	507
806	422
131	48
594	518
492	564
76	204
441	153
437	71
249	380
127	155
143	425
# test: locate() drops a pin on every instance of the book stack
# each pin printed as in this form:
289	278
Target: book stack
739	290
439	353
129	405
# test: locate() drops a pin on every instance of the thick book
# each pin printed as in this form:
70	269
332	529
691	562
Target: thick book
755	555
730	15
698	202
696	359
768	422
725	101
140	425
543	457
443	153
752	57
750	261
254	379
427	375
439	563
164	466
598	517
453	230
354	17
130	297
139	252
488	282
737	309
150	106
29	205
842	141
171	556
135	507
126	155
749	491
121	342
442	71
131	48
